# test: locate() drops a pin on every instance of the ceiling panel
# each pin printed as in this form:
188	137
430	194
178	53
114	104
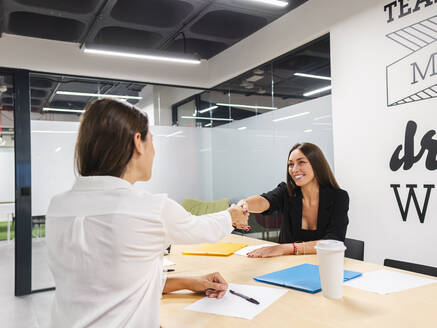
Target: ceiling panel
201	27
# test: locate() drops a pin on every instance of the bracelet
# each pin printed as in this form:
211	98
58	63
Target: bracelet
303	248
294	248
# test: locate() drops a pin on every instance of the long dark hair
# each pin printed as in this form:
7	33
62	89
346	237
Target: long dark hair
320	165
105	143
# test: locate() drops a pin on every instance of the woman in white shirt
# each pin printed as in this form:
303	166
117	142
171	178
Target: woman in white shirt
106	239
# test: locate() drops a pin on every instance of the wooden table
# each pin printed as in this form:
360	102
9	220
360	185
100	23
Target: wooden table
410	308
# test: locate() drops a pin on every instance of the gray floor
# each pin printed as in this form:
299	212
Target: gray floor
25	311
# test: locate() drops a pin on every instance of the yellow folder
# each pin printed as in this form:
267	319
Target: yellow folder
217	249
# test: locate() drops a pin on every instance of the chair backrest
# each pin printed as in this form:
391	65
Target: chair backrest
354	249
413	267
272	221
199	207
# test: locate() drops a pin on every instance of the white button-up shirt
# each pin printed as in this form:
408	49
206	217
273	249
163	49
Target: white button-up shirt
105	243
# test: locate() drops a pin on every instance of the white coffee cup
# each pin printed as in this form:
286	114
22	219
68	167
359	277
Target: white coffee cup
330	254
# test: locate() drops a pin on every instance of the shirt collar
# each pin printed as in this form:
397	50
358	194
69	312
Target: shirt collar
100	183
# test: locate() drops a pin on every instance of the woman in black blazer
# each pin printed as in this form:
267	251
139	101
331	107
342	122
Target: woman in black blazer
313	205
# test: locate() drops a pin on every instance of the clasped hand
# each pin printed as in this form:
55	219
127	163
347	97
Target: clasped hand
240	216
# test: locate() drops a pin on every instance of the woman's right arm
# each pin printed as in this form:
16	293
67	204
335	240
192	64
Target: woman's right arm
184	228
255	204
270	201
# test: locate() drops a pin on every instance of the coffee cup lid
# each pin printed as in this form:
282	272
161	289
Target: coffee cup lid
330	245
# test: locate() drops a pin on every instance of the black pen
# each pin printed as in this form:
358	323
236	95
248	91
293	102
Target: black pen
169	270
247	298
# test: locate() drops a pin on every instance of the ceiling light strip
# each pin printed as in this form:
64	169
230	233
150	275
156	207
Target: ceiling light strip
320	77
63	110
141	56
317	91
207	118
272	2
209	124
207	109
291	116
86	94
245	106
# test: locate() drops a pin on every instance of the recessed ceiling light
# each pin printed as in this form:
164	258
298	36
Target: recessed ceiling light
207	118
255	78
87	94
142	56
63	110
317	91
245	106
273	2
320	77
207	109
291	116
308	130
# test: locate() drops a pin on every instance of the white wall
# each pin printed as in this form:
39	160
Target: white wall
252	161
367	132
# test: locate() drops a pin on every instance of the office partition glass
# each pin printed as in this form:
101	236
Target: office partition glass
7	183
250	156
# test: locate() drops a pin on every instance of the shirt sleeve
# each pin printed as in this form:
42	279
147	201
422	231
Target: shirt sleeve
276	198
337	228
181	227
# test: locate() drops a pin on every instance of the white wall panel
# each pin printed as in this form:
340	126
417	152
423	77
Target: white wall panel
367	132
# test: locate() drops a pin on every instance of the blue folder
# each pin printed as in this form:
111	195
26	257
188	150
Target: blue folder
304	277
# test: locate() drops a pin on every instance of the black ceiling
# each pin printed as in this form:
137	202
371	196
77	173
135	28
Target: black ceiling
202	27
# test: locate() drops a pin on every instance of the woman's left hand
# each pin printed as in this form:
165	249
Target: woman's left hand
270	251
213	285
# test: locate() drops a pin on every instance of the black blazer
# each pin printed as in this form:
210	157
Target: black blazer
332	219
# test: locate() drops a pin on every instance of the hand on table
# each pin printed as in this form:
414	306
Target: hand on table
269	251
212	284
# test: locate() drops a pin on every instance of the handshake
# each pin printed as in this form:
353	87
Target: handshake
240	215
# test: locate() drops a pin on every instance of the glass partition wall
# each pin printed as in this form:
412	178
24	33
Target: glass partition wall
230	141
7	182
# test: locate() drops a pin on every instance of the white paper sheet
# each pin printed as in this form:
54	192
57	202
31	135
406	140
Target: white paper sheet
387	281
167	262
235	306
247	249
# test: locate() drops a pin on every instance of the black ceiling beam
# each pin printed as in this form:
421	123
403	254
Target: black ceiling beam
172	37
98	16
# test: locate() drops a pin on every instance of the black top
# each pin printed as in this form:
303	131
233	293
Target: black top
332	219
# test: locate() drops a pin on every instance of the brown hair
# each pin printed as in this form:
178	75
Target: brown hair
105	143
320	166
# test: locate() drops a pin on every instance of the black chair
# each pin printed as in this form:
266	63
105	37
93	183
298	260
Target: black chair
354	249
413	267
